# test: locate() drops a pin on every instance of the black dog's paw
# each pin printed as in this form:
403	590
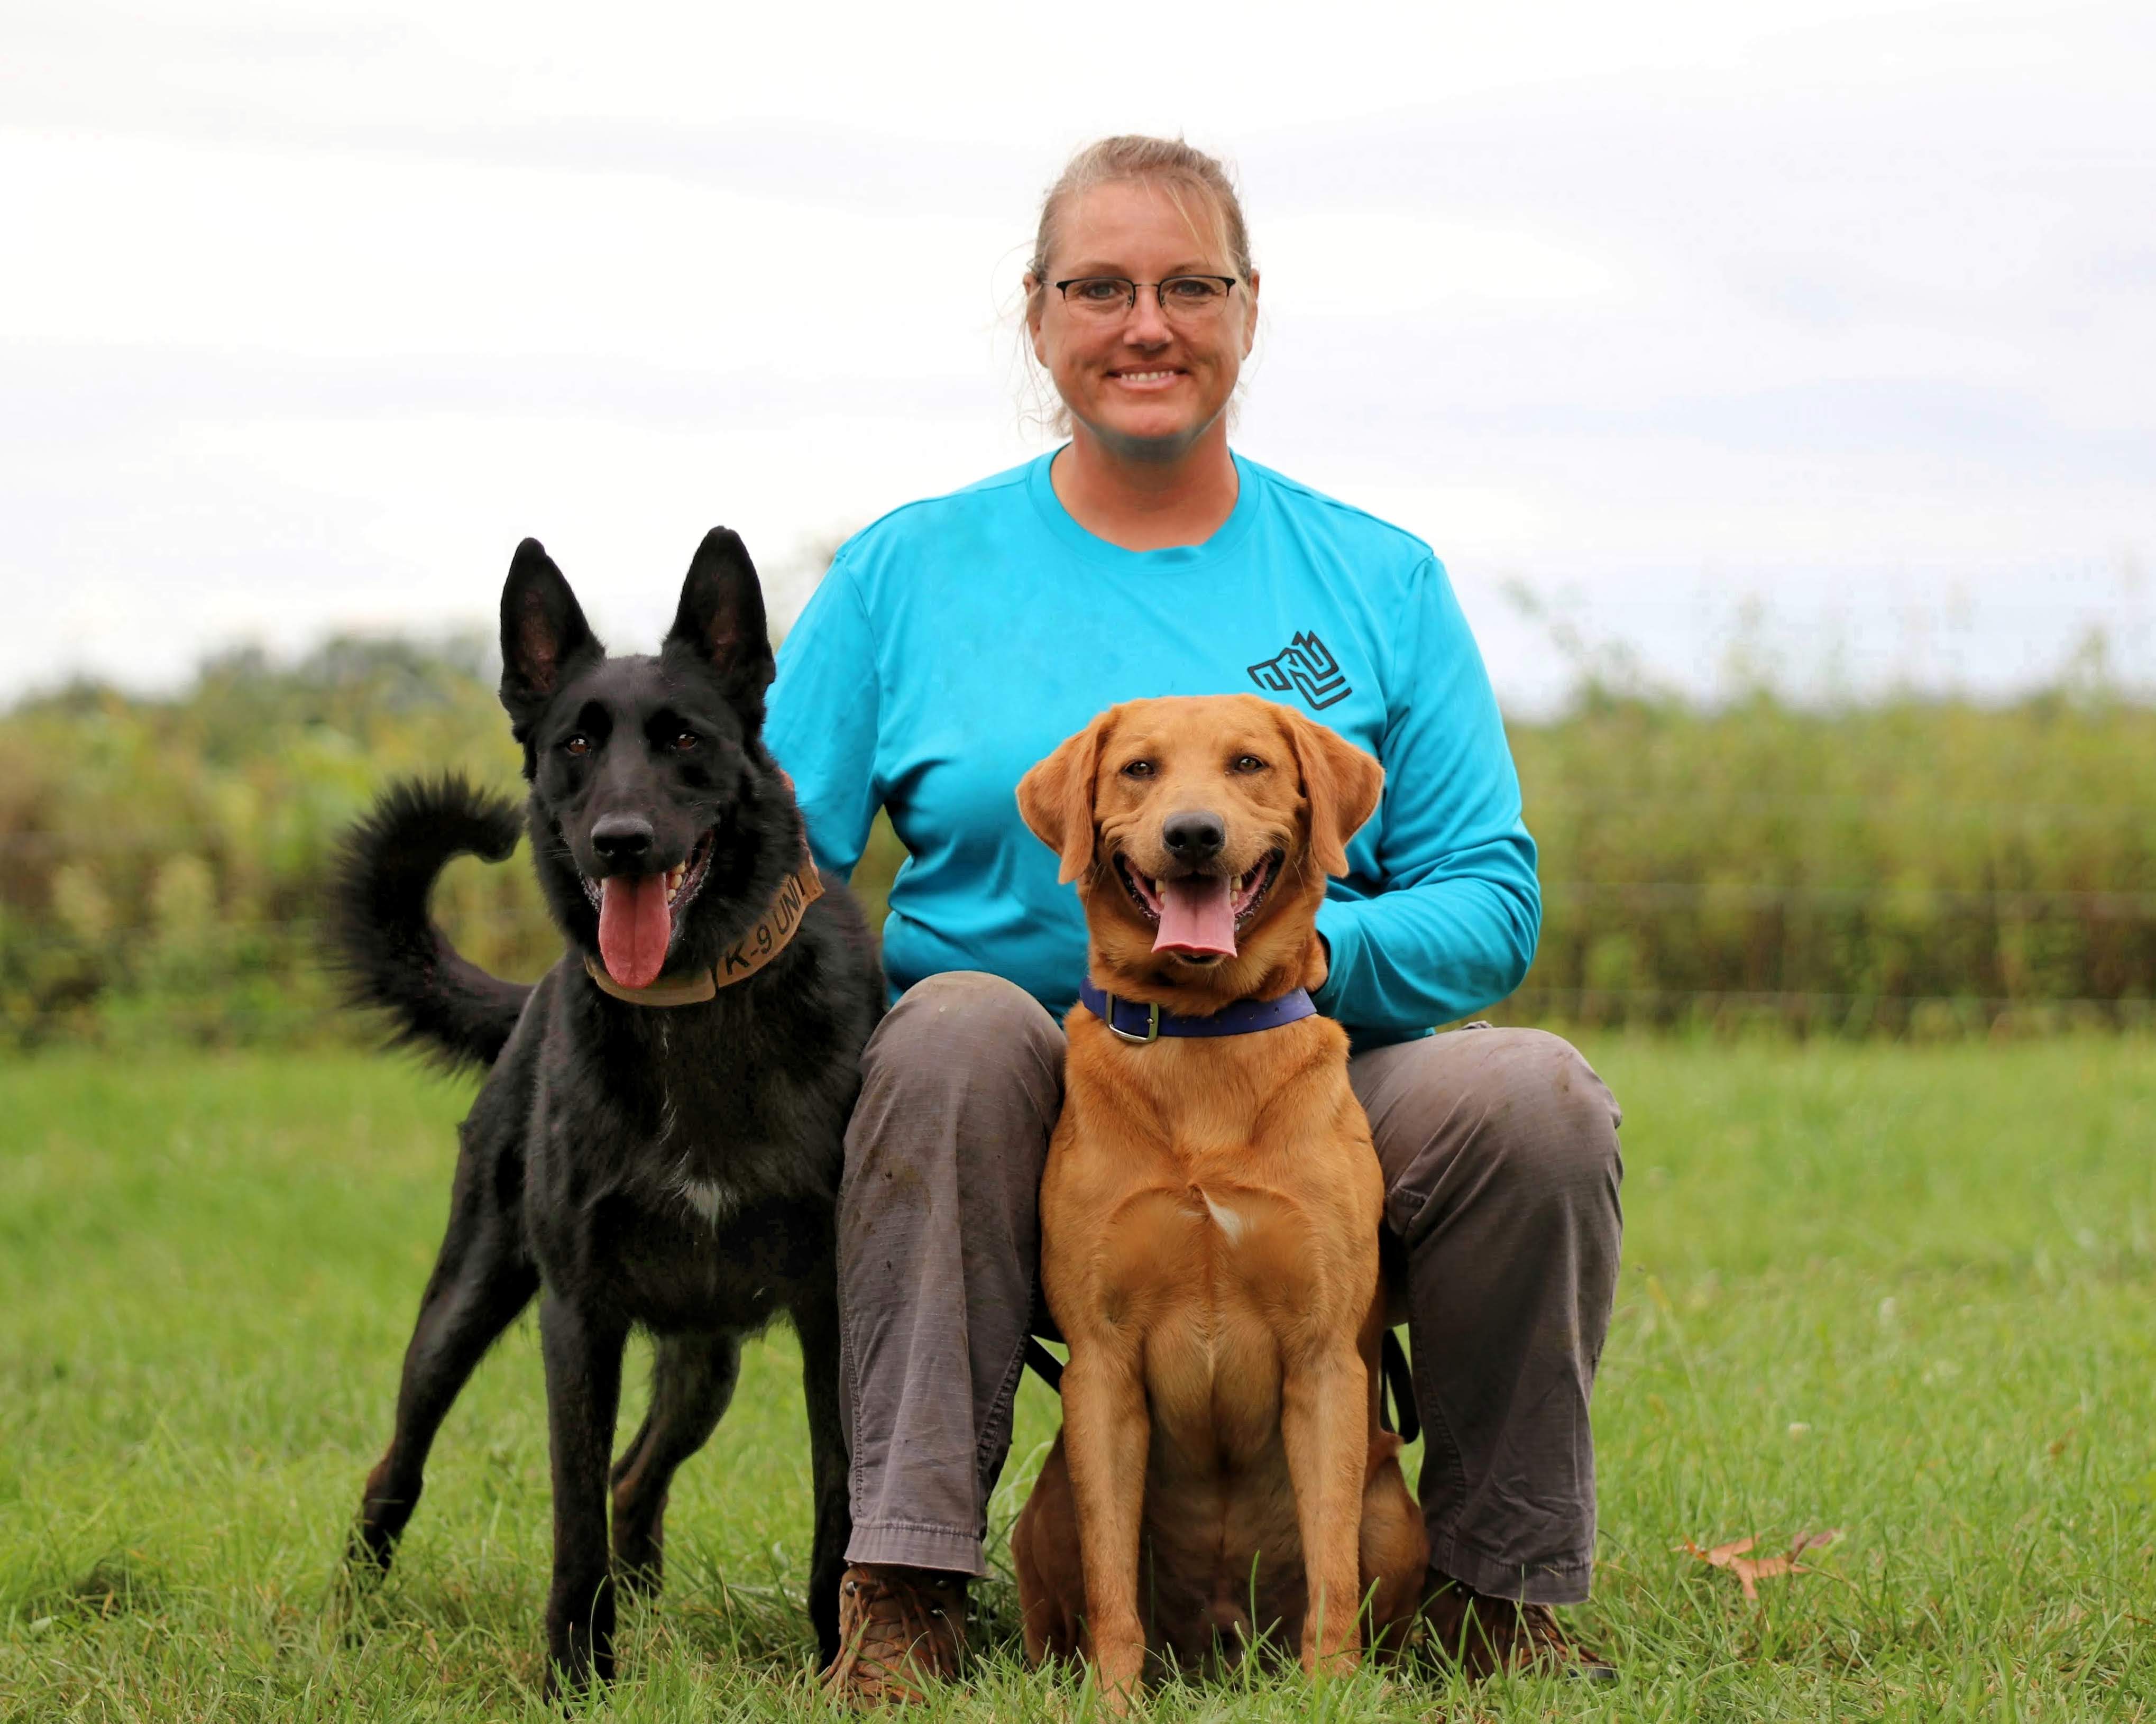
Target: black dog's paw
580	1634
369	1549
357	1590
572	1692
640	1581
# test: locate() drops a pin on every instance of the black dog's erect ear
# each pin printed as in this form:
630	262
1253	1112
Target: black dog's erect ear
720	621
543	633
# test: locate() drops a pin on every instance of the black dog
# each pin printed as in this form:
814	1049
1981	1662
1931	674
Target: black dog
658	1143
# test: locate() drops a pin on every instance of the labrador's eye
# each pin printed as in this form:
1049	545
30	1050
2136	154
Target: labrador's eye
684	741
1249	763
1138	769
577	743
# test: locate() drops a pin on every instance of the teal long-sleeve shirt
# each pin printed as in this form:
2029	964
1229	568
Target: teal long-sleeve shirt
958	640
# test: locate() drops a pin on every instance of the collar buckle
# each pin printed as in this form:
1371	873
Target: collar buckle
1152	1024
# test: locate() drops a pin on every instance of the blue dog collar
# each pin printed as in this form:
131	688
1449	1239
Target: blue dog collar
1131	1021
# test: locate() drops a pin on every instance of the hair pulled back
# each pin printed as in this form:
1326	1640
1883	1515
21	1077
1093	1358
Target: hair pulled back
1185	173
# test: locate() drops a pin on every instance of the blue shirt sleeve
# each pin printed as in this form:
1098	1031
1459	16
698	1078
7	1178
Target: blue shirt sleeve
823	719
1454	923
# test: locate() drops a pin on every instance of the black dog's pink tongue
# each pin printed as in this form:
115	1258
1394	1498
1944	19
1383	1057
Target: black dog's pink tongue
1196	917
634	928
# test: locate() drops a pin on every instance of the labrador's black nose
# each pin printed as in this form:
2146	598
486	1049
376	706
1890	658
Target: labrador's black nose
1197	836
621	839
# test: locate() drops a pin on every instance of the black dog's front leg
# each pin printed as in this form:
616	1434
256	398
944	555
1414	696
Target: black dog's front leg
584	1351
481	1281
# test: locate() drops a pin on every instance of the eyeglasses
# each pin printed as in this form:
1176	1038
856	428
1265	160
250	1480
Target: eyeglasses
1188	298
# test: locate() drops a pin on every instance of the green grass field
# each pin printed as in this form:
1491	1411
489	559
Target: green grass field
1906	1294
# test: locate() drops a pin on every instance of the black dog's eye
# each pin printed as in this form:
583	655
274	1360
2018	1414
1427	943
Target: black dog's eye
577	743
1138	769
684	741
1249	763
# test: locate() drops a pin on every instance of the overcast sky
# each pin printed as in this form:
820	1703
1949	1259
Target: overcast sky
1824	335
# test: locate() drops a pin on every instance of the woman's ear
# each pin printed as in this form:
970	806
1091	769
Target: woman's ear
1036	302
1341	784
1056	797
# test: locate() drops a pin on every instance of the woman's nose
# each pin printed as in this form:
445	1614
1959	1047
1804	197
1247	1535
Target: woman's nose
1146	326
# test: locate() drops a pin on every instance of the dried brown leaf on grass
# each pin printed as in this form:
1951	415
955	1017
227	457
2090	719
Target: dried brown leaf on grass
1749	1570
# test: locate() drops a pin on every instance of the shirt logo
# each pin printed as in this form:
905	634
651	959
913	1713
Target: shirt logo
1304	665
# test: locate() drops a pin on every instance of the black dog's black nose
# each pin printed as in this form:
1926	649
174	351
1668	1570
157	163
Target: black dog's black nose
621	837
1194	837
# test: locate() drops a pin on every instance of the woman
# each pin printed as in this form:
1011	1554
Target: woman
955	642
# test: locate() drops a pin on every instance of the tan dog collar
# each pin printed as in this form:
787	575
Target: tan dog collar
773	932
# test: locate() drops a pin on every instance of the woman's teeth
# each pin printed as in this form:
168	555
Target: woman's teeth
1145	377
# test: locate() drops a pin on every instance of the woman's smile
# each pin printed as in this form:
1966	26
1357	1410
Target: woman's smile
1149	381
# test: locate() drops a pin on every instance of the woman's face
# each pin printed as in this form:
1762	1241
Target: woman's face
1147	384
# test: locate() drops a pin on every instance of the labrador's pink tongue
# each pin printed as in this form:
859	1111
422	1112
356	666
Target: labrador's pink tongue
634	927
1196	916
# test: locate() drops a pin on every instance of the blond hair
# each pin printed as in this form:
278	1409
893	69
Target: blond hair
1169	163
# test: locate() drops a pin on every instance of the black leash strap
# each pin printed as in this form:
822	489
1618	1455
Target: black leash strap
1396	1405
1045	1365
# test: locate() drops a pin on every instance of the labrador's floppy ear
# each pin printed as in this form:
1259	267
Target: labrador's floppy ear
1056	797
544	636
720	620
1342	783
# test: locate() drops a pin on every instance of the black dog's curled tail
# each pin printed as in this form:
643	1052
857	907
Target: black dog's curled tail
384	943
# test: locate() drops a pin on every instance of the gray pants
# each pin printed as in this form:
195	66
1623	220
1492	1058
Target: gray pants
1502	1170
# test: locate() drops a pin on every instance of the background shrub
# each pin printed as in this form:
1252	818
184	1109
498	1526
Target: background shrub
1911	867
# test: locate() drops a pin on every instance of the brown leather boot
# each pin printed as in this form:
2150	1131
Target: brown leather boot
898	1629
1484	1635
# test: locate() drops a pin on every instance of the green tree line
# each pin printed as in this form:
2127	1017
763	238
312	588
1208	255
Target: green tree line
1908	866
